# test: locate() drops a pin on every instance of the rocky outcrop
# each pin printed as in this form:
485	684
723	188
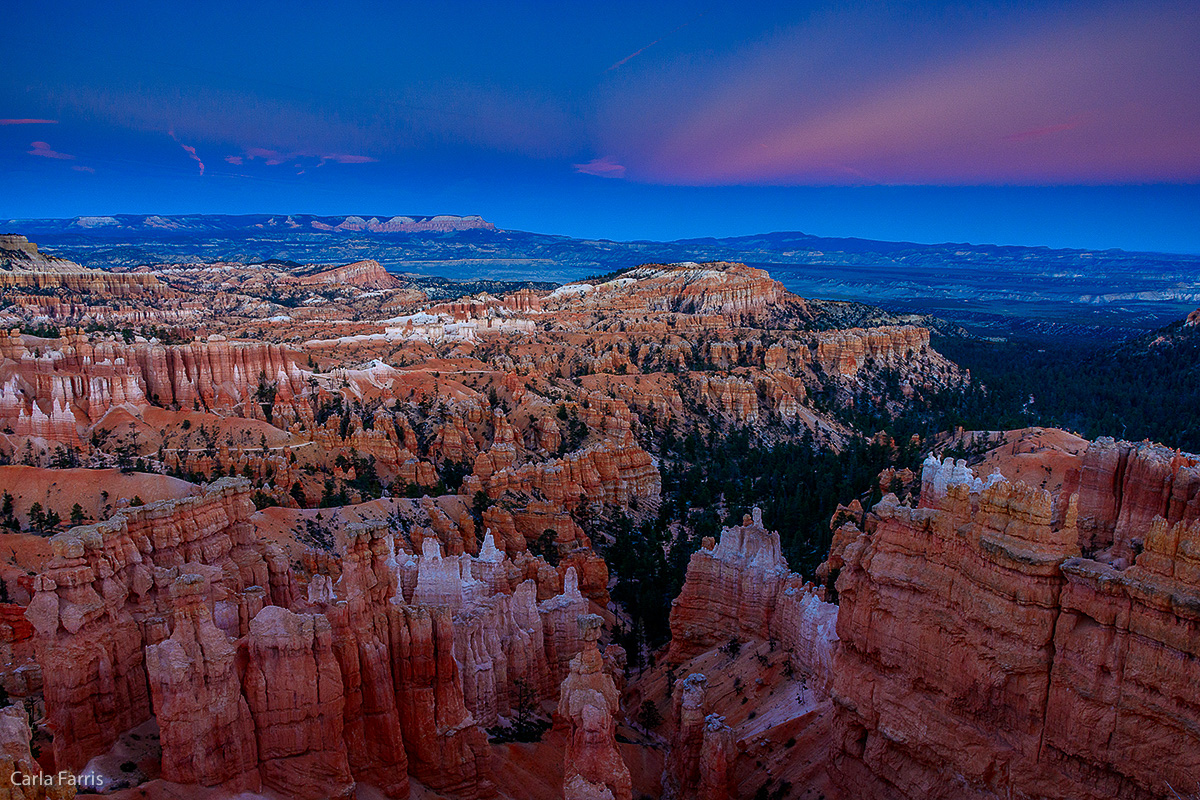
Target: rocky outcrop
563	635
21	777
361	274
716	289
981	655
609	471
588	701
24	267
76	381
108	593
1123	487
176	610
730	589
294	690
845	352
700	758
205	723
716	761
446	749
501	644
741	588
359	610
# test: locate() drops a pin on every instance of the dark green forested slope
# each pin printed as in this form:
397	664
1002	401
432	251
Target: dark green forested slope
1144	388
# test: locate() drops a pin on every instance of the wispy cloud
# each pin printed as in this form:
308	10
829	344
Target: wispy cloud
602	168
344	158
1037	133
1071	99
641	50
28	122
46	151
81	168
187	148
272	157
632	56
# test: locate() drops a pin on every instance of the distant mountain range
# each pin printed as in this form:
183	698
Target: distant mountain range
153	224
992	289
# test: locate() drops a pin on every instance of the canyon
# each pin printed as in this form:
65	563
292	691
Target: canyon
318	531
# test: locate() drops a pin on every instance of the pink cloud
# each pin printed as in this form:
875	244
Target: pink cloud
28	122
1074	99
602	168
271	157
235	160
45	151
89	170
187	148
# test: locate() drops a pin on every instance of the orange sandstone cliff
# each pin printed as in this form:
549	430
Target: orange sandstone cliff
997	642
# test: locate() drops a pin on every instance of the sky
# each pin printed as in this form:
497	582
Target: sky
1056	123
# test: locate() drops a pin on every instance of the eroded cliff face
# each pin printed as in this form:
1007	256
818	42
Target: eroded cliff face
740	588
981	655
993	640
17	763
302	677
61	388
107	594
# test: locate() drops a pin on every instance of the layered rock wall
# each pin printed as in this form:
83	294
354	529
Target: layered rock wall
107	594
741	588
60	389
982	656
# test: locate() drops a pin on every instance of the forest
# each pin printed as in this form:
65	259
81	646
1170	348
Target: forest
1143	388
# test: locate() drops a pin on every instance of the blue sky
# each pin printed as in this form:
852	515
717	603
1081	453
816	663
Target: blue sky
1064	124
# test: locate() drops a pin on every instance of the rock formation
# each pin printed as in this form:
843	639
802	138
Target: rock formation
588	701
146	614
741	588
109	592
294	690
981	655
21	777
362	274
207	731
700	758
